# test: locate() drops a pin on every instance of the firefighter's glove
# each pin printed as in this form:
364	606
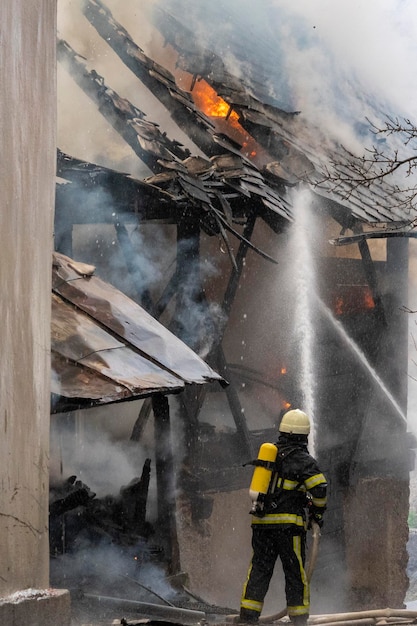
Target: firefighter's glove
315	516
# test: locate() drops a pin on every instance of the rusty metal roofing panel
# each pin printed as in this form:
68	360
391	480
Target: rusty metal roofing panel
78	338
70	381
156	355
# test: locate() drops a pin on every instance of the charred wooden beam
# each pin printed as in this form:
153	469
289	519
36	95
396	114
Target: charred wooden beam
76	203
156	78
134	499
140	423
144	137
403	231
236	273
371	277
235	405
165	481
397	270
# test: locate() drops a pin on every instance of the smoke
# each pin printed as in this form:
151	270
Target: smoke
336	63
132	256
196	320
81	446
82	131
116	571
372	42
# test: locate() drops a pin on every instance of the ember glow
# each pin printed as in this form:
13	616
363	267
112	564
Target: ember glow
353	299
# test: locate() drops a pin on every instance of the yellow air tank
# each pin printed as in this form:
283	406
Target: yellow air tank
262	475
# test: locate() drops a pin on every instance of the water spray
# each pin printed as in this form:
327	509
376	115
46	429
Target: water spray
305	285
307	300
362	358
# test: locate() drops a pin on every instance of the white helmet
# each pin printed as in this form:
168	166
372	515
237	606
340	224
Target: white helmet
295	422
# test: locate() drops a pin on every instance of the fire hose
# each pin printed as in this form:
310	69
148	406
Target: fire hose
315	532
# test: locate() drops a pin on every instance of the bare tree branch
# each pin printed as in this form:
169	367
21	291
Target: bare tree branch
377	168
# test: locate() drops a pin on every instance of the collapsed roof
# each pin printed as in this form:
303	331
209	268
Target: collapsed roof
106	348
228	183
230	186
299	149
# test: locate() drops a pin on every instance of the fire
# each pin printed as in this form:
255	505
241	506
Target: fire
210	103
283	370
213	105
353	299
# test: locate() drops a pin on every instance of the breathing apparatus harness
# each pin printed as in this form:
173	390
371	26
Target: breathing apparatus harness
265	476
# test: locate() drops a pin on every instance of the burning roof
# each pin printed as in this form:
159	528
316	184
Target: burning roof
298	150
106	348
232	183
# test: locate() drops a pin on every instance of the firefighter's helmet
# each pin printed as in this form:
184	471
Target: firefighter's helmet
295	422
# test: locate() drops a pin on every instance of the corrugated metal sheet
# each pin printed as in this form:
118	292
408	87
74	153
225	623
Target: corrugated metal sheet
106	348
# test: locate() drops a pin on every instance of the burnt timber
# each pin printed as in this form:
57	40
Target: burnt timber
218	194
155	77
222	195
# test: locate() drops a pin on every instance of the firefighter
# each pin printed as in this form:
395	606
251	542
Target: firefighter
295	497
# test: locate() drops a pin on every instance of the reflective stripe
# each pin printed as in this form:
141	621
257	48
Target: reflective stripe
319	502
290	485
298	610
279	518
296	542
245	603
247	580
313	481
252	605
309	483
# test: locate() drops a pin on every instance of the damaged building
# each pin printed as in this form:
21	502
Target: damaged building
289	292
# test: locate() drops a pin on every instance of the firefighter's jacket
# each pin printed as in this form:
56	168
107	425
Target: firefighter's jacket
297	485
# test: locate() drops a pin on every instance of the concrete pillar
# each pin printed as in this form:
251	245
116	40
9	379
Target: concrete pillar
377	502
28	148
376	535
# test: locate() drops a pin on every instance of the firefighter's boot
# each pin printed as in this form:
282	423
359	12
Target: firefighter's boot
299	620
248	617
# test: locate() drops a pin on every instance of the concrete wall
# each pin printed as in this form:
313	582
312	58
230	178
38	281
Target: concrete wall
28	148
376	535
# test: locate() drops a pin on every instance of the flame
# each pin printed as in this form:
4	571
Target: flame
353	299
213	105
287	405
368	299
283	370
207	100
